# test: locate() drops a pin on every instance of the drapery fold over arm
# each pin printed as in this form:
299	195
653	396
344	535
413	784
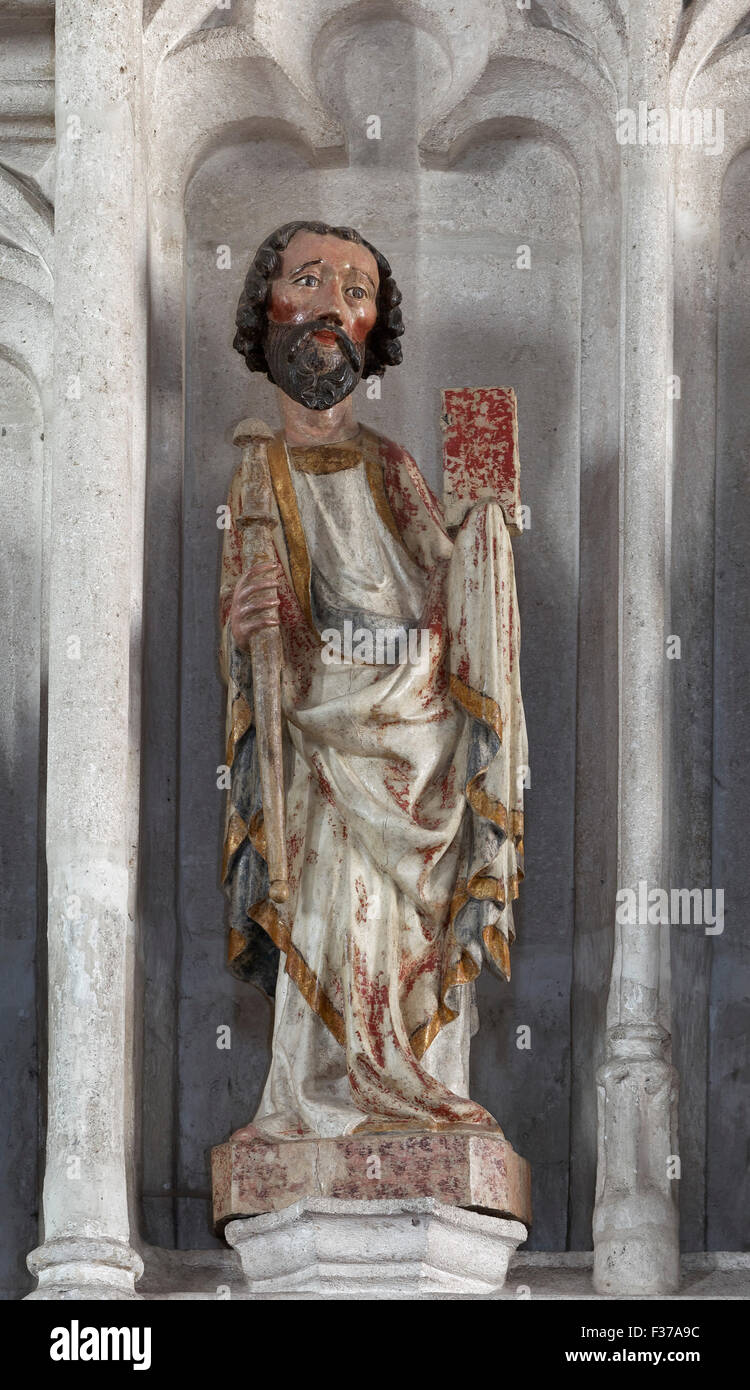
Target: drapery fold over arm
256	522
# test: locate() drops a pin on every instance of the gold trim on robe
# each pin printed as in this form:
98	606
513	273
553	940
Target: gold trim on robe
462	972
291	521
242	718
374	471
498	948
236	834
478	706
266	915
297	968
322	459
235	945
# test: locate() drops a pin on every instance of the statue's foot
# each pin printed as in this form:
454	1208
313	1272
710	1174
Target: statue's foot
281	1130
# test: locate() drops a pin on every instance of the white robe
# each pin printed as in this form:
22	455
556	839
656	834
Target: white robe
389	773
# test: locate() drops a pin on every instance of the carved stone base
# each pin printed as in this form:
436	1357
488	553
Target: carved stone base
321	1248
458	1168
98	1270
636	1236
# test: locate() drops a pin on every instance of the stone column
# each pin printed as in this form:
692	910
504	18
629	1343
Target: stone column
99	323
635	1218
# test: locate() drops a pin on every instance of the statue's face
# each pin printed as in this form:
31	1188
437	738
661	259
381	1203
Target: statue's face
322	307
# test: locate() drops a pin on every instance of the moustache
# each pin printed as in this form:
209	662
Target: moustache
298	336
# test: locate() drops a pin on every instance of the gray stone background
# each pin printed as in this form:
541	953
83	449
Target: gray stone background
452	228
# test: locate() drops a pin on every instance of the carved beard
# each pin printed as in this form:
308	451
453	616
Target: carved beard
316	376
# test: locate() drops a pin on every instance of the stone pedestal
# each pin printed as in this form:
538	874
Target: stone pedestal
252	1174
321	1248
372	1215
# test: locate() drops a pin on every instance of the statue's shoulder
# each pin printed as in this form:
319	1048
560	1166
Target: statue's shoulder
397	463
387	449
416	509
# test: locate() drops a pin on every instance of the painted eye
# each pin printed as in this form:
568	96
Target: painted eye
307	280
357	292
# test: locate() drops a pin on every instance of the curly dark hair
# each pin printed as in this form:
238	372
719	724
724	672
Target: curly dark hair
383	348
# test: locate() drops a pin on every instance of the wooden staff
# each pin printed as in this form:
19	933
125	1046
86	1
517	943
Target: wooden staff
257	523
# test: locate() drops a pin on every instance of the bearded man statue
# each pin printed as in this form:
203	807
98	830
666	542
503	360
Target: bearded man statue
403	761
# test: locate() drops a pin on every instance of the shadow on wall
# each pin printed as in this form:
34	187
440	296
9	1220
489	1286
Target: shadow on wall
22	885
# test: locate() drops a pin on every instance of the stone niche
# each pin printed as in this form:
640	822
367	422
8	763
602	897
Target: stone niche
459	229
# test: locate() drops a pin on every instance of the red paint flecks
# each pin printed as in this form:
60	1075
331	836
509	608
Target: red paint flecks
361	912
403	505
324	786
463	669
294	844
424	493
300	644
373	998
396	780
411	971
428	856
447	787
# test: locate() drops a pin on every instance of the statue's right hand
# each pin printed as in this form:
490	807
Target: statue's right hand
255	602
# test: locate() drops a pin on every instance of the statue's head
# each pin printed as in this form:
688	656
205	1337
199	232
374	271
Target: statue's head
319	311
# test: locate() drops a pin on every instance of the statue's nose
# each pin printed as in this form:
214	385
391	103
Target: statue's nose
330	303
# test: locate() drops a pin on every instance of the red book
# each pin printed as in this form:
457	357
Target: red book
480	452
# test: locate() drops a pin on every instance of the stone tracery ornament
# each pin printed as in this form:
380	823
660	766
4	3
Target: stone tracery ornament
374	835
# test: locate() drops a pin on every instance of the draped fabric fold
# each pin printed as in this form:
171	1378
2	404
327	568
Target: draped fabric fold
403	782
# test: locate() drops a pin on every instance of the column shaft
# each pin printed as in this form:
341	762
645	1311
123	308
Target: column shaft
635	1220
98	323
